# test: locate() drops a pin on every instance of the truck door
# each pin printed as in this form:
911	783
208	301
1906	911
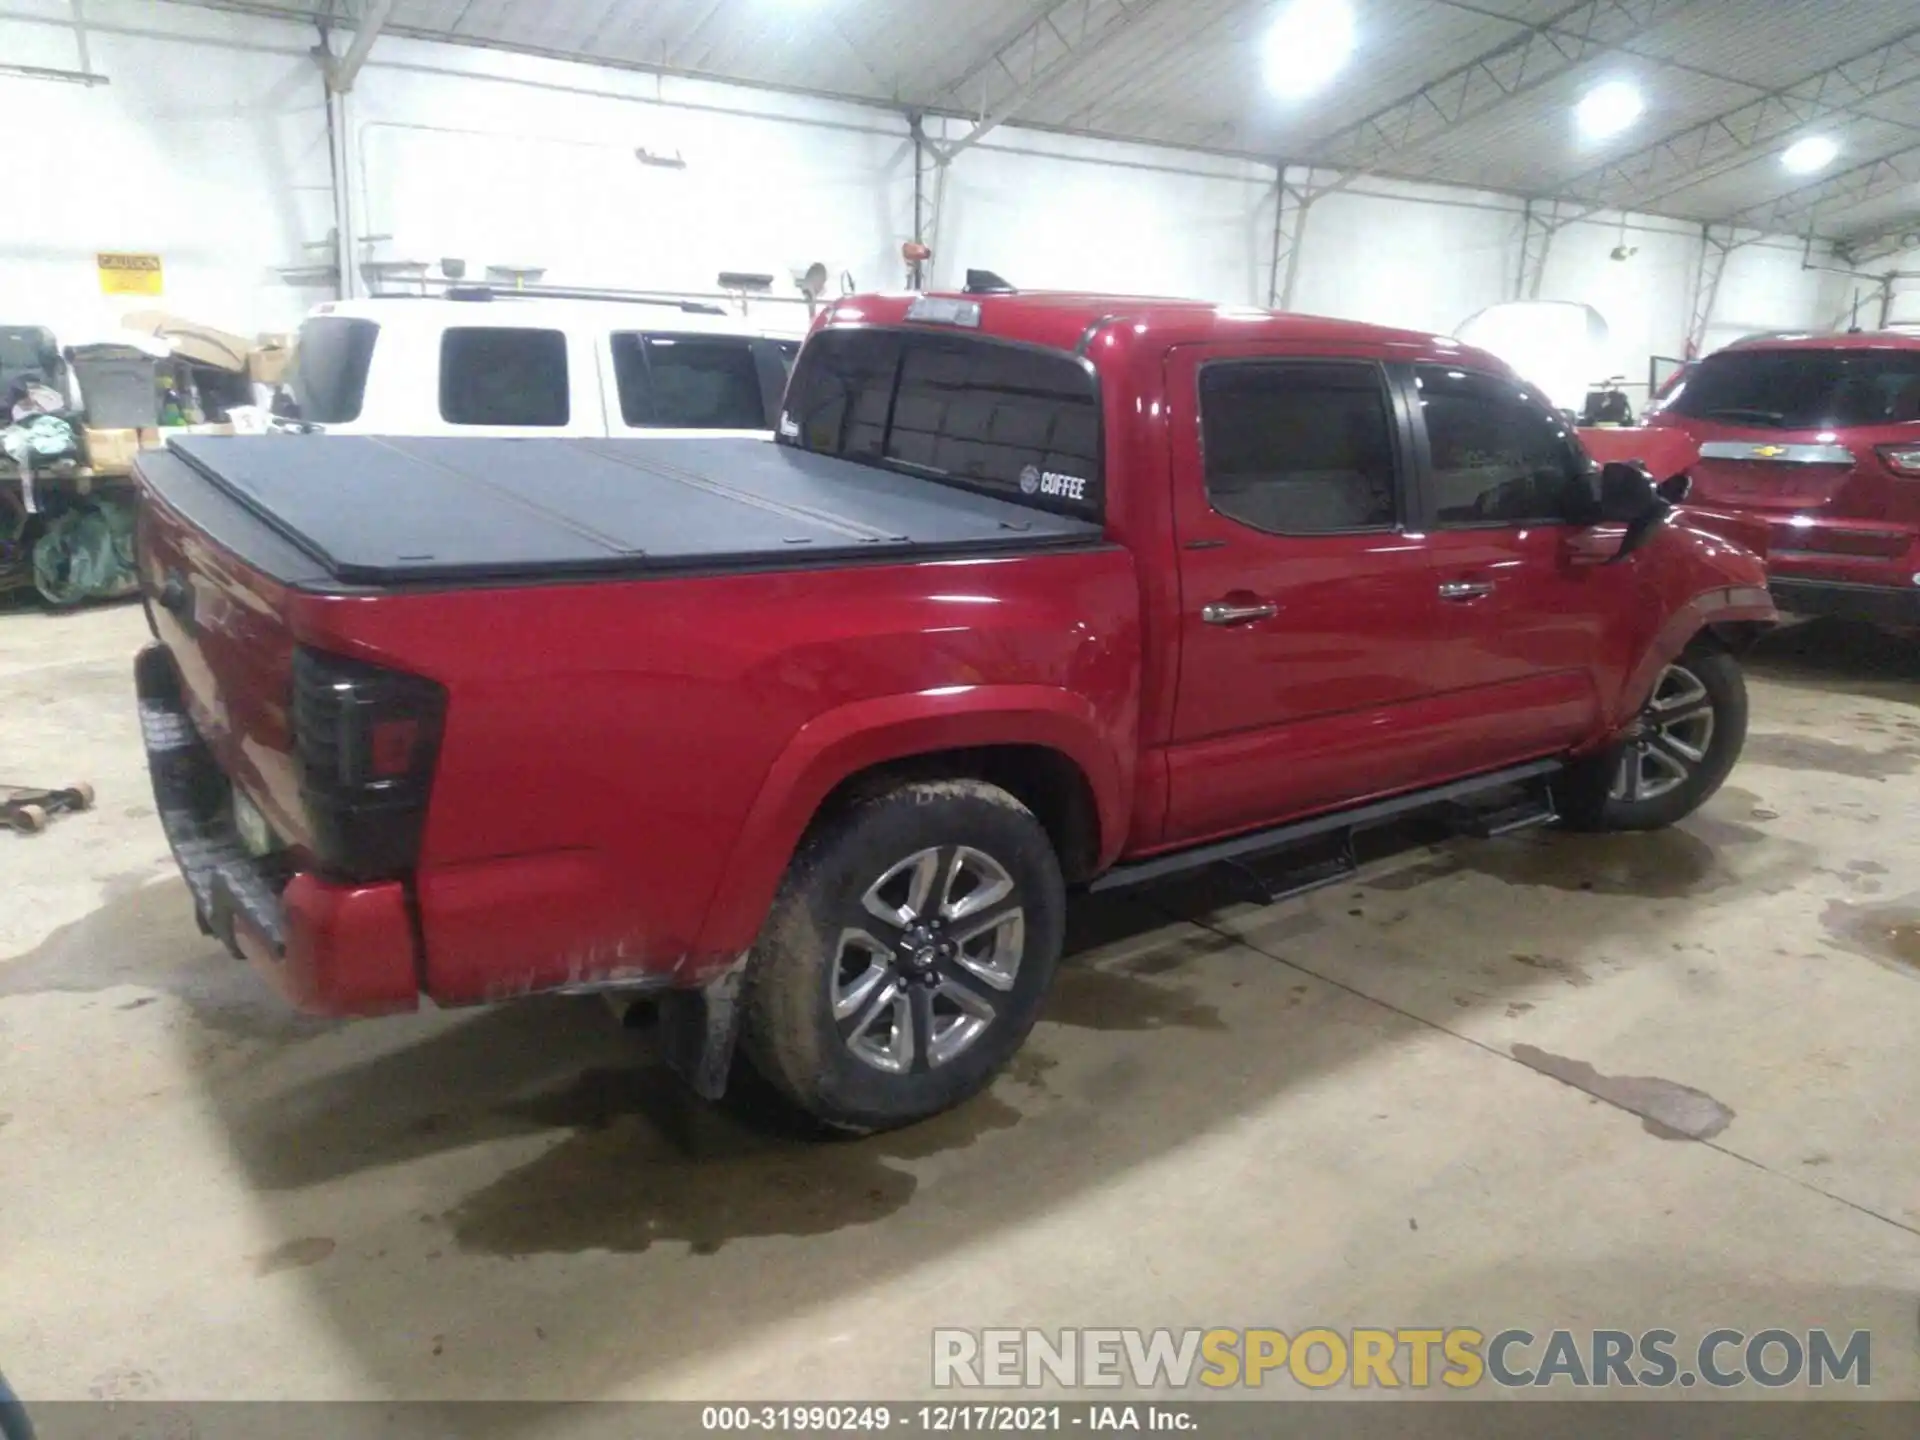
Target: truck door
1522	625
1308	607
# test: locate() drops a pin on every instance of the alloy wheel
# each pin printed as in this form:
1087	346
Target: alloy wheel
924	968
1670	740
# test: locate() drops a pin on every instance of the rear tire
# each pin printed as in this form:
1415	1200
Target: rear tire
906	957
1686	740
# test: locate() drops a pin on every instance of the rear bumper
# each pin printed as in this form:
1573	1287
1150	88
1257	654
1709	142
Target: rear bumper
1874	604
332	949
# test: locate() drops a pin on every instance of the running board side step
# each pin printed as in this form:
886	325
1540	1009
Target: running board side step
1333	860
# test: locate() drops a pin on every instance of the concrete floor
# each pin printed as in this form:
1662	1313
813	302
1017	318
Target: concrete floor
1337	1111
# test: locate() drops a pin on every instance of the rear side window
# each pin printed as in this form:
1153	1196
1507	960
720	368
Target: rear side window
691	382
1500	454
1298	449
503	376
1018	423
1804	389
329	375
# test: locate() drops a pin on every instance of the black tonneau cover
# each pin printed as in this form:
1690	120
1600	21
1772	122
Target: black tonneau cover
387	510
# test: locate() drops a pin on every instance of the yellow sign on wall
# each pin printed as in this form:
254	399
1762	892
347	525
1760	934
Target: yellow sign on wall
123	274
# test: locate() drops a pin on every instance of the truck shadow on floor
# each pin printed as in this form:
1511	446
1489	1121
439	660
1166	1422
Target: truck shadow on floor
531	1168
544	1066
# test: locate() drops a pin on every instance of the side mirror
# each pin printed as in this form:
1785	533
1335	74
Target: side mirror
1627	491
1676	488
1629	497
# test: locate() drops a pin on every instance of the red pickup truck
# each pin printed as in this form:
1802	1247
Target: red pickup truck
812	738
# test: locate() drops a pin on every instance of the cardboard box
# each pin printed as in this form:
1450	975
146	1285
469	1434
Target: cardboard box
202	344
268	360
110	452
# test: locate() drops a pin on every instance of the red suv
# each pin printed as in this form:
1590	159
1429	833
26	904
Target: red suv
1818	437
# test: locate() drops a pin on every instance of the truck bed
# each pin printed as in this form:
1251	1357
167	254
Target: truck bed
365	510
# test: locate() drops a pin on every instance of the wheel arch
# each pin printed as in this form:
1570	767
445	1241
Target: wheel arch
1045	746
1728	616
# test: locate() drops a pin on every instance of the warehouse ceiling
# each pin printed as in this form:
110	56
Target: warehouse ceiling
1470	92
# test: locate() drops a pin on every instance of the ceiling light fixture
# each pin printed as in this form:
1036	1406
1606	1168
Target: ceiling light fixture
1309	44
1816	152
1606	110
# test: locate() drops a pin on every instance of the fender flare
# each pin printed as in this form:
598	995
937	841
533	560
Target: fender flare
843	742
1722	605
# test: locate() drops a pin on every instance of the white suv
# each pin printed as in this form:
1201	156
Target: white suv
499	364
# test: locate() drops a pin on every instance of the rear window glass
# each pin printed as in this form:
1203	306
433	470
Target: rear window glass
503	376
329	372
1803	389
695	382
1017	423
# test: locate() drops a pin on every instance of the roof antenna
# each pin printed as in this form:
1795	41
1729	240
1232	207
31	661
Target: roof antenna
1853	326
985	282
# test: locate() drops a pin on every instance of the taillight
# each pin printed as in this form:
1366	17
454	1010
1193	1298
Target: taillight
1901	459
365	738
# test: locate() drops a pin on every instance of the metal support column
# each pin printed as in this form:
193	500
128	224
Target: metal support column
1291	202
80	38
1539	223
1714	249
345	240
929	184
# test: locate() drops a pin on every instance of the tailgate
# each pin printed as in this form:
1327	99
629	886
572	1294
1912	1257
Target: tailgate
1814	497
221	621
1765	475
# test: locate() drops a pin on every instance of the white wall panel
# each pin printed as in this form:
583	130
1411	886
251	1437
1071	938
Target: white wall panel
1646	298
1060	212
1905	309
210	147
1422	266
1768	286
501	158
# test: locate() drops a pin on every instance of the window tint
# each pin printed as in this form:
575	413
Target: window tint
1804	389
841	394
1501	455
1298	449
503	377
1009	421
690	382
329	372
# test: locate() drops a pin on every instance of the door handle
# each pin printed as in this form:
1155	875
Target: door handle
1466	589
1222	613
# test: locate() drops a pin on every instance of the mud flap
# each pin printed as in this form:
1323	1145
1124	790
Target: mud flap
698	1029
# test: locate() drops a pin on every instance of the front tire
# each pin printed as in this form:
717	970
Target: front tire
1683	745
906	957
